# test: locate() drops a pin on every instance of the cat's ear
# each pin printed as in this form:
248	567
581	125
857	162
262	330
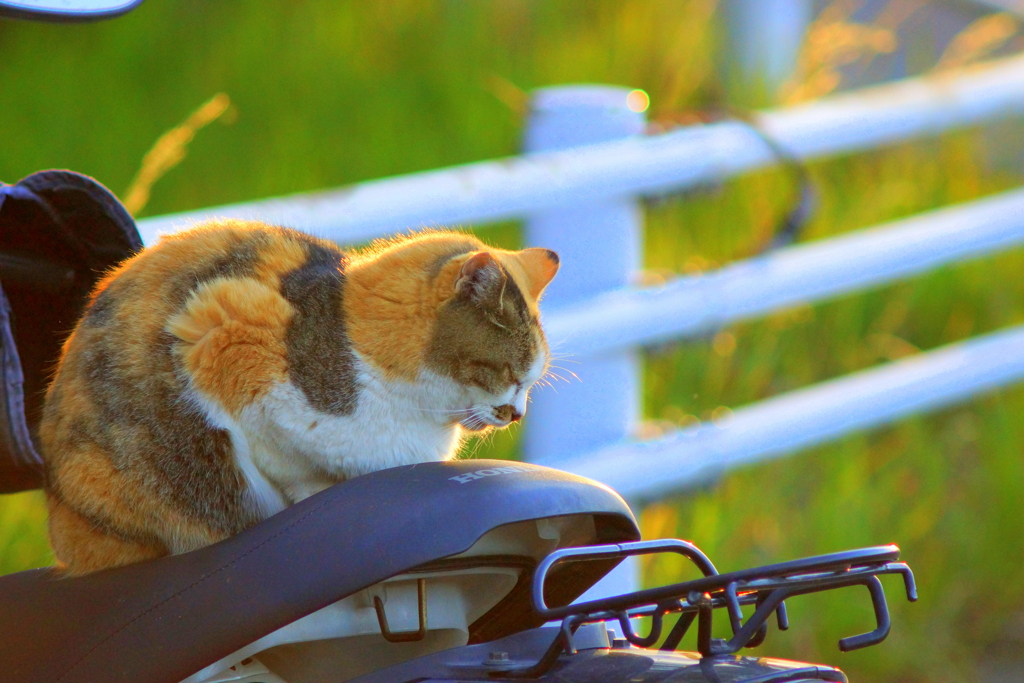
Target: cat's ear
540	266
481	275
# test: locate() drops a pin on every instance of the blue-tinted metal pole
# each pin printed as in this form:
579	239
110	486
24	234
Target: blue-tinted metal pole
599	242
762	42
599	245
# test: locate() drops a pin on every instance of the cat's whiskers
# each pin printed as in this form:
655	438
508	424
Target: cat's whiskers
480	417
480	442
473	423
443	411
551	373
559	367
545	382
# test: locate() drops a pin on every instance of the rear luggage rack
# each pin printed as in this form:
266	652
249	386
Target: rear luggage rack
766	588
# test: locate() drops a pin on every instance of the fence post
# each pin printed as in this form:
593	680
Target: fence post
762	41
600	248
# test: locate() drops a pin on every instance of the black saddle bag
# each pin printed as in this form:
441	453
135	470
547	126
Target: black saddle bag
59	232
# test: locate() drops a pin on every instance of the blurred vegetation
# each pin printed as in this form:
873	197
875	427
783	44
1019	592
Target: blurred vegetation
325	93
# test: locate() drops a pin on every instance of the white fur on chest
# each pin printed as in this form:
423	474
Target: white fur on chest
394	423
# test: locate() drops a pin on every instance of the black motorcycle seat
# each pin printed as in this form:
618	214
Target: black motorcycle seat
161	621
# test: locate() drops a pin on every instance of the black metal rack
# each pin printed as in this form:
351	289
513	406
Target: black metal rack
766	588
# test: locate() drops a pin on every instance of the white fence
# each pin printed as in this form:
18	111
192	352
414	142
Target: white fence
577	188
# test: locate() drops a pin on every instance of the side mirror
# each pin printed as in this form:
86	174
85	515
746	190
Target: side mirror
66	10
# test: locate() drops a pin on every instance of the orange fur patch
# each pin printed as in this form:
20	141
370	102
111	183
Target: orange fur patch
84	549
392	298
278	258
233	340
90	483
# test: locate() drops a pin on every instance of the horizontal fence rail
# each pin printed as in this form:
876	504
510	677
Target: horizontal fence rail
807	417
640	165
802	274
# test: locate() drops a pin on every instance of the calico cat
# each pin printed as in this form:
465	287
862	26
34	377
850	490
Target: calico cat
237	368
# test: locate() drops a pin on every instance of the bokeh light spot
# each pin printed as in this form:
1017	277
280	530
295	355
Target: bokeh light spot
638	101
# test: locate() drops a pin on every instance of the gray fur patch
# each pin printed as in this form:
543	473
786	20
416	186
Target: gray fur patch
320	357
485	336
149	427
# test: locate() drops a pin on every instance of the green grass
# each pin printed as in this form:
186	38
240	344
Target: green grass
329	93
23	532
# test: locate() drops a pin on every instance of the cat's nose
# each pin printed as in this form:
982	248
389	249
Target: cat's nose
508	413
